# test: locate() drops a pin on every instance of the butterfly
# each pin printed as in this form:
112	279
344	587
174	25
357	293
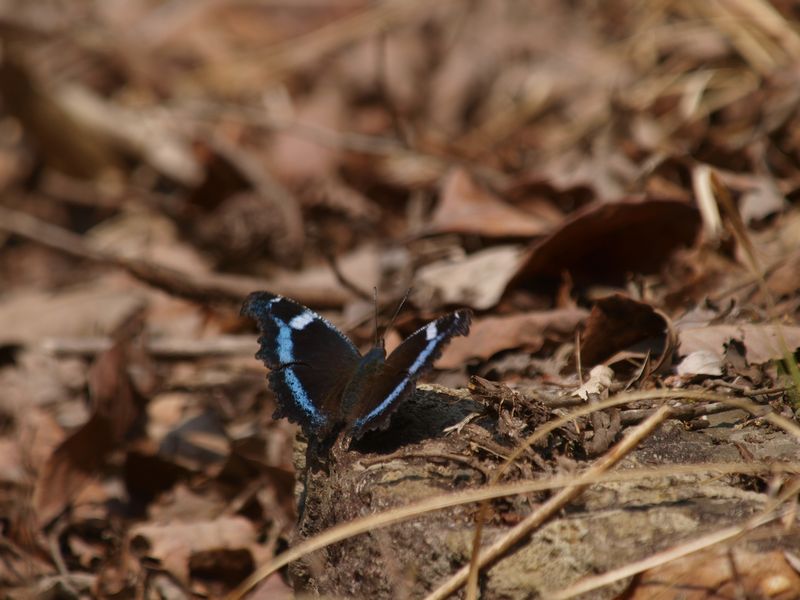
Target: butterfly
320	379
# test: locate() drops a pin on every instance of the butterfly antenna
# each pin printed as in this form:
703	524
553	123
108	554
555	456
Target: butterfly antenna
397	312
375	302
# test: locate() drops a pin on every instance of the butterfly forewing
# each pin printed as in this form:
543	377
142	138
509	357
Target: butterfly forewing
410	360
310	360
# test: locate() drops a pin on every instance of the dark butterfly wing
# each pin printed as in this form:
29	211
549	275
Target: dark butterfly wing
309	359
410	360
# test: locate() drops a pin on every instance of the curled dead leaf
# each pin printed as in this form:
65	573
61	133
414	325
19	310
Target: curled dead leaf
491	335
606	242
617	322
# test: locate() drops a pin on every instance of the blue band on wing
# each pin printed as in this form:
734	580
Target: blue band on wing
412	371
286	357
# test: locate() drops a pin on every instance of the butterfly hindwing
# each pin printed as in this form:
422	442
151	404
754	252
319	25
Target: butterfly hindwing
409	361
310	360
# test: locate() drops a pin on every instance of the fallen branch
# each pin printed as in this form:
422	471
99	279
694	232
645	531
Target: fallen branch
198	287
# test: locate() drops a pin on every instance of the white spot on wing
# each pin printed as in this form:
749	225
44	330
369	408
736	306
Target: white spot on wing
431	331
301	321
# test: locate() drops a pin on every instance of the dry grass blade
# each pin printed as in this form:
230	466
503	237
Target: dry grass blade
391	517
701	182
757	49
772	23
556	503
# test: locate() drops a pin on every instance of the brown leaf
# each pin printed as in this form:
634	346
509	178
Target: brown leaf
85	310
477	280
783	280
615	323
71	467
760	340
63	140
79	457
490	335
298	158
334	194
605	242
465	207
720	574
174	545
760	195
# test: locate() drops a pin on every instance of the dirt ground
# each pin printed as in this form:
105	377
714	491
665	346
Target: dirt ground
604	194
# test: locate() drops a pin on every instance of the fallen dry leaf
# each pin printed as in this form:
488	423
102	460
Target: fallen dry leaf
11	471
700	362
615	323
720	574
760	340
83	310
298	158
606	242
761	199
490	335
477	280
79	457
465	207
600	379
320	283
175	545
784	279
148	136
71	467
148	236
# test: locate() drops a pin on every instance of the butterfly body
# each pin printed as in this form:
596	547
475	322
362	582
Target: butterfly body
322	382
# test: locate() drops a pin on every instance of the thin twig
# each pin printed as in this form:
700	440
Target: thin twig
747	391
343	280
683	413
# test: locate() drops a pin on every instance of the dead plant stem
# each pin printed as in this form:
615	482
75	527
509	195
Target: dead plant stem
552	506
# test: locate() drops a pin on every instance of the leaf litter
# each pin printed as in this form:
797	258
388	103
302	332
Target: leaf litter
162	160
